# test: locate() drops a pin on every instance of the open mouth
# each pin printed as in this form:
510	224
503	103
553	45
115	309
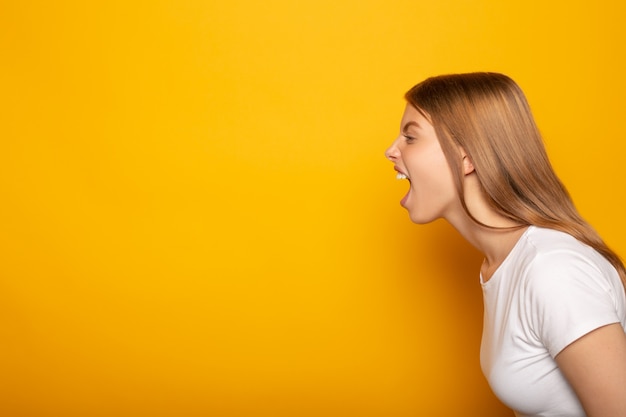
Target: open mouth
401	176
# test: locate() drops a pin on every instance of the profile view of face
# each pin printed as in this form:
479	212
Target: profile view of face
419	159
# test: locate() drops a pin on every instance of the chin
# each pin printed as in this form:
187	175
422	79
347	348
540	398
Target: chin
420	219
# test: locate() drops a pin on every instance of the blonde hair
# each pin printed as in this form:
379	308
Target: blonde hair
488	116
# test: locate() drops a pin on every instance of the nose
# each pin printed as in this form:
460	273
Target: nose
392	153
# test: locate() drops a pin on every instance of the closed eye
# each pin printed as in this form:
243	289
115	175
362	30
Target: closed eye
408	139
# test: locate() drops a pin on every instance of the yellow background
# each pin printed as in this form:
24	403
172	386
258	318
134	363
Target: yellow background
197	218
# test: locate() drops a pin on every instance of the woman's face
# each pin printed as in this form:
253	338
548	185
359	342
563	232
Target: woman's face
418	158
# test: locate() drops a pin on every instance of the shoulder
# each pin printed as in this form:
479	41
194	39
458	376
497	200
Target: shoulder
538	245
569	288
551	241
556	258
544	260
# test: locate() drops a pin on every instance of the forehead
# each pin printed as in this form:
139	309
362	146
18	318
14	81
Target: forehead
411	114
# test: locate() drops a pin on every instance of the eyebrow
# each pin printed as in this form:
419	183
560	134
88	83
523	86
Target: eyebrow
409	124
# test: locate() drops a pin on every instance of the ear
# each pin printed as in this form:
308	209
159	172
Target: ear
468	165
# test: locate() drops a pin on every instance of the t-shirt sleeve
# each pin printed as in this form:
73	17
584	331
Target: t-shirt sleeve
568	297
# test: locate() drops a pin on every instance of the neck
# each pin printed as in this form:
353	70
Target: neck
495	242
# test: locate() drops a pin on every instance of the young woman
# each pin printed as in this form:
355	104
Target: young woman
554	341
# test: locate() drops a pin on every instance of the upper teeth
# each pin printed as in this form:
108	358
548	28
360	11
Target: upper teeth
400	176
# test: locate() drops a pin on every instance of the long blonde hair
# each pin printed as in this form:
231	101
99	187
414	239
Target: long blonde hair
488	116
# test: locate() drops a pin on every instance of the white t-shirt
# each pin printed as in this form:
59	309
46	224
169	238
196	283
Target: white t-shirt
549	291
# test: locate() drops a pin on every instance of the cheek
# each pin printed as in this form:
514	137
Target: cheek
437	169
437	183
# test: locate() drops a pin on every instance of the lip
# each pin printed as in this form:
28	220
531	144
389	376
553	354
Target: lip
401	172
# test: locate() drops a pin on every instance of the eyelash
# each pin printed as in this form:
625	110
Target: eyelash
408	139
